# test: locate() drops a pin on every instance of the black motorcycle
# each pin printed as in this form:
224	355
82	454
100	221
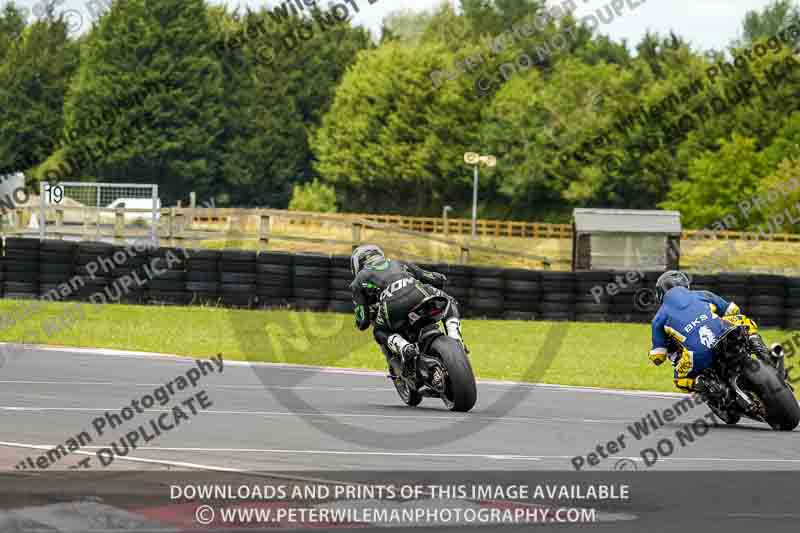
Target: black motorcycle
442	369
754	388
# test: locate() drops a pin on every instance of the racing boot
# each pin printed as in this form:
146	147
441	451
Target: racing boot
453	328
771	357
407	351
776	350
708	387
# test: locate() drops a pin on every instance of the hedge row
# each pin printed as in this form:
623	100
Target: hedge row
100	272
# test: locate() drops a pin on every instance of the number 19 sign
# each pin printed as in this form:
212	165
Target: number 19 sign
55	193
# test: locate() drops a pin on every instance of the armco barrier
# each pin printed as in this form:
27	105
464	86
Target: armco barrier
100	272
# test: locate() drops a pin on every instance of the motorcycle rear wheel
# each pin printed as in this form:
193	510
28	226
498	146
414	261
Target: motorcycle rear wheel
782	409
460	390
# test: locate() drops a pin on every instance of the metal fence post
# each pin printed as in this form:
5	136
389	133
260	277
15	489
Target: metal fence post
42	218
154	222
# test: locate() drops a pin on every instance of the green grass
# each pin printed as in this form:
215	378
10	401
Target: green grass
595	355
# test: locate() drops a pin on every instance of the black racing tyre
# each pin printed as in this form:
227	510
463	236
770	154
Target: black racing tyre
793	293
22	277
558	286
202	276
273	281
340	295
56	268
203	254
310	294
488	283
311	260
555	307
591	317
238	256
521	306
337	284
461	282
274	258
168	297
341	273
311	271
202	266
340	261
202	286
591	307
22	243
176	275
519	315
460	389
521	274
55	277
558	297
247	278
595	277
58	247
489	294
237	288
55	258
554	316
767	290
783	412
237	266
21	287
766	300
310	283
165	285
15	265
341	306
277	269
273	292
522	288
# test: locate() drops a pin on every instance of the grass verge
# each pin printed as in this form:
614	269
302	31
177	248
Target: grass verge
593	355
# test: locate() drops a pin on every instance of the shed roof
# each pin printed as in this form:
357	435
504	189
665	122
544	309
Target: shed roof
590	220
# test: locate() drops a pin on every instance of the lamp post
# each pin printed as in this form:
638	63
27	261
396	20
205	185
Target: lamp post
445	210
471	158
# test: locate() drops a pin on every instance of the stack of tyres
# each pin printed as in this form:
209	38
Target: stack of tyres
792	304
766	303
273	279
165	277
237	276
94	267
21	268
645	298
341	297
310	281
202	276
486	296
458	285
128	278
523	293
592	296
56	269
704	282
735	288
558	296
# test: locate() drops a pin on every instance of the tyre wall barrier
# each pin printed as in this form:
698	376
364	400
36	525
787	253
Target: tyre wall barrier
105	273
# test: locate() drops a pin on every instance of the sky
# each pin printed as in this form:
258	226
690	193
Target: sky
705	23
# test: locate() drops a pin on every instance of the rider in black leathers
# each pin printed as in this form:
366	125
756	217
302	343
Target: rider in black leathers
385	291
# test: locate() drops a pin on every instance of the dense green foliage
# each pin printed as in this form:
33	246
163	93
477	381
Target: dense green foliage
255	111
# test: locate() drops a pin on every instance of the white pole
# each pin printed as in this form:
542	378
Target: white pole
475	203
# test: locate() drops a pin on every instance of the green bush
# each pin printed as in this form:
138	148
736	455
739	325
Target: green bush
314	196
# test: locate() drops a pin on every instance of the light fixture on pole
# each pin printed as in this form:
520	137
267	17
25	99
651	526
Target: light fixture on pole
471	158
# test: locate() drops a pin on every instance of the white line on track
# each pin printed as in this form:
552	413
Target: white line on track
416	418
329	370
233	387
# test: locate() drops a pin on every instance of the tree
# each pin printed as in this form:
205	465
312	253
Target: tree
314	196
147	103
768	22
33	82
718	181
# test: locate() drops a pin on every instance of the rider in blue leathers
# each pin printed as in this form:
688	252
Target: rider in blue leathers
686	328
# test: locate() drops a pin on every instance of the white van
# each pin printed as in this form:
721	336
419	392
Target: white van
135	203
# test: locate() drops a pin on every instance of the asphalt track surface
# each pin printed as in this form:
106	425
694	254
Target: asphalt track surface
47	396
352	421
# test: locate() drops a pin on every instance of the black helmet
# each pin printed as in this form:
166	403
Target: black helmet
363	255
669	280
